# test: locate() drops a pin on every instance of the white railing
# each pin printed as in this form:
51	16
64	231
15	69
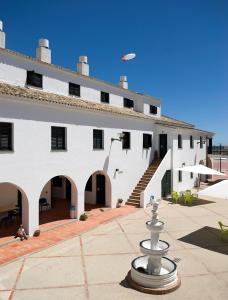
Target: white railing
154	186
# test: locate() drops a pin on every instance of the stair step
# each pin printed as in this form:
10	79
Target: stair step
134	197
135	193
133	201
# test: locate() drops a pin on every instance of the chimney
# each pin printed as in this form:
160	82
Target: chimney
2	36
123	82
82	66
43	53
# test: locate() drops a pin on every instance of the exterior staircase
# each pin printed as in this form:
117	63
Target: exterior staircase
134	198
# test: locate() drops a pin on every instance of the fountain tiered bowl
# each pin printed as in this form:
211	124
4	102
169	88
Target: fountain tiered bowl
153	272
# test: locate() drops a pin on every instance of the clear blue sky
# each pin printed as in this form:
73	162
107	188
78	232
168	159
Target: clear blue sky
181	47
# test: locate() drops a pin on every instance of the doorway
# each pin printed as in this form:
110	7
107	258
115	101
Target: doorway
162	145
166	184
100	189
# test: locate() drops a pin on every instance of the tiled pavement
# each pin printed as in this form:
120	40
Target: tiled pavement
93	265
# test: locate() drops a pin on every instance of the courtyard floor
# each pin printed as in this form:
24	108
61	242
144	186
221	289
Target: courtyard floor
93	265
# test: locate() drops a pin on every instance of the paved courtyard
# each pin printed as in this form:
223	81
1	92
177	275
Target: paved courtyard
93	265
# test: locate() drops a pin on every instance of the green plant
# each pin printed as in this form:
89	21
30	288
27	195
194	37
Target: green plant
175	196
83	217
188	198
120	200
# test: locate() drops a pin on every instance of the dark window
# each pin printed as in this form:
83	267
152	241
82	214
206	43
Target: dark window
88	187
57	181
58	138
180	176
179	141
126	140
74	89
128	103
191	142
5	136
153	109
147	141
201	142
98	142
209	149
191	175
104	97
34	79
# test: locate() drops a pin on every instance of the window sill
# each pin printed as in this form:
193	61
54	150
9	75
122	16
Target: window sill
29	86
6	151
98	149
58	150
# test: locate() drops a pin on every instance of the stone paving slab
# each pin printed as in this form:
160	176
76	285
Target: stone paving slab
94	264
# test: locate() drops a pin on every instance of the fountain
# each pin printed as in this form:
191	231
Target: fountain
153	272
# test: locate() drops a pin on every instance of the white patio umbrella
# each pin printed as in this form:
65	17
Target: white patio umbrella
218	190
200	169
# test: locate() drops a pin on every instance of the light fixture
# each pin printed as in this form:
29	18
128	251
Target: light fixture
120	135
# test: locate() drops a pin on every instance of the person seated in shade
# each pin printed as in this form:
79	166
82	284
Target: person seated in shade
21	233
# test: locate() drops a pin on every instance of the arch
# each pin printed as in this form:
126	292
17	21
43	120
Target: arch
98	189
202	177
14	198
61	196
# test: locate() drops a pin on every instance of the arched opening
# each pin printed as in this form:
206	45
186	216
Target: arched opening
13	210
58	200
209	165
203	178
98	191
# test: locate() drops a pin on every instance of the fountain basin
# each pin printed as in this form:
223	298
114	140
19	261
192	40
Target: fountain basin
161	250
157	227
167	277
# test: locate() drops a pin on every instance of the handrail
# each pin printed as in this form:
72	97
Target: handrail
155	182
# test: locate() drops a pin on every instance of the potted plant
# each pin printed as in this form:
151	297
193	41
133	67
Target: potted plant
83	217
119	202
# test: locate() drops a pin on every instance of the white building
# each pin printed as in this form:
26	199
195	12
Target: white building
63	124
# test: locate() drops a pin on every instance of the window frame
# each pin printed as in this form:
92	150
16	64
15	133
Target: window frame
64	143
153	109
96	140
180	176
191	141
74	87
29	81
9	135
104	97
128	103
201	142
126	144
179	141
147	139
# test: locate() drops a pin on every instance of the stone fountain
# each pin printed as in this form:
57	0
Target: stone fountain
153	272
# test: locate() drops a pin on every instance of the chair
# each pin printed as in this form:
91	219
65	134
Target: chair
175	197
43	203
224	230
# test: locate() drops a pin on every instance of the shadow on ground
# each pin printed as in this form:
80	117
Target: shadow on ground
207	238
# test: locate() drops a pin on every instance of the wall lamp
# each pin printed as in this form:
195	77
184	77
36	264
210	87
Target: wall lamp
120	135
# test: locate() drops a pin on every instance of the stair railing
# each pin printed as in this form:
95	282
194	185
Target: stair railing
154	186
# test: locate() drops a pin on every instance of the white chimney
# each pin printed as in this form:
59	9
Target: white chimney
123	82
2	36
43	53
82	66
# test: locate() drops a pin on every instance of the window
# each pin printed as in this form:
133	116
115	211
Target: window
153	109
191	142
179	141
209	148
34	79
126	144
104	97
180	176
88	187
201	142
147	141
5	136
191	175
128	103
74	89
57	181
58	138
98	142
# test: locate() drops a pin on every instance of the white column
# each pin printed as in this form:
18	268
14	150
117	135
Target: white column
30	214
80	207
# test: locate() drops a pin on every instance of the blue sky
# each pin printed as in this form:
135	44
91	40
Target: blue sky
181	47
